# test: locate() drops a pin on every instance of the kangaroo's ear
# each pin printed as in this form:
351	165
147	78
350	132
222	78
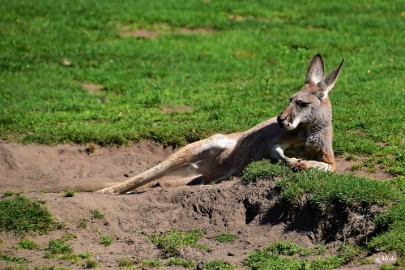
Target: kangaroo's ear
315	70
330	80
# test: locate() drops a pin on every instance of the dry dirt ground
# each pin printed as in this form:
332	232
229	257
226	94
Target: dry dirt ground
43	172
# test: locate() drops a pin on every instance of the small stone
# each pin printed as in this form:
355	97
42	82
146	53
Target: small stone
200	266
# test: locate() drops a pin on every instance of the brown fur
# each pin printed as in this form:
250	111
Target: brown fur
303	130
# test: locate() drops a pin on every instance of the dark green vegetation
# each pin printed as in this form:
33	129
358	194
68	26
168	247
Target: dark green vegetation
20	214
210	66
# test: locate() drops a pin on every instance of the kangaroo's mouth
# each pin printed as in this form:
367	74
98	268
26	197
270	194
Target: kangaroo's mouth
285	122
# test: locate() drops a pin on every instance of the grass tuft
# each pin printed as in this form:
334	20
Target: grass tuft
21	215
218	265
181	262
97	214
172	241
225	237
152	263
125	262
69	193
281	256
27	244
106	240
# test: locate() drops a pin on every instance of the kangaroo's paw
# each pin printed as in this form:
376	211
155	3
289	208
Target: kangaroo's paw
297	164
109	190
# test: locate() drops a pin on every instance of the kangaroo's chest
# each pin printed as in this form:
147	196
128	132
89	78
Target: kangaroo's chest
304	147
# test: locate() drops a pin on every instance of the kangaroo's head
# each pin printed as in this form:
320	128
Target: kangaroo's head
311	106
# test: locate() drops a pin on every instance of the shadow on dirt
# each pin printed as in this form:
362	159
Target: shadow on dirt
235	204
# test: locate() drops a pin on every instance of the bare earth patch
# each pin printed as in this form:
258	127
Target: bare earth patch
178	108
249	212
155	30
92	88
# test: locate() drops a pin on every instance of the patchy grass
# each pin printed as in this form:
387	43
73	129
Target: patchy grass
12	259
282	255
21	215
69	193
218	265
90	264
59	248
82	224
97	214
27	244
152	263
106	240
225	237
181	262
125	262
175	239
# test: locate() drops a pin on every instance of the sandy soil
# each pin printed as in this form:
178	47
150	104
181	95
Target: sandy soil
43	172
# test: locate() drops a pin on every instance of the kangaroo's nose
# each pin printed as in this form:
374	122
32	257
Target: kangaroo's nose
281	118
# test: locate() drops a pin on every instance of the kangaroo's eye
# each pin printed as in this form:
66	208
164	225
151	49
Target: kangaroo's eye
302	103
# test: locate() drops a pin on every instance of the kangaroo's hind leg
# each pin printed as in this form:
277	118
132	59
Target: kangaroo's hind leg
188	157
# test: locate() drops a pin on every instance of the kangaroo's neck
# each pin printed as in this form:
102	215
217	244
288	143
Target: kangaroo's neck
319	137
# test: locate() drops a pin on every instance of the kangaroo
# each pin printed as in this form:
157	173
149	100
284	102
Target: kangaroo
301	137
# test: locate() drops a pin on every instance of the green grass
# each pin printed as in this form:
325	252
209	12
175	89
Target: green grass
106	240
177	88
125	262
90	264
82	224
59	247
152	263
97	214
181	262
325	189
69	193
218	265
12	259
283	256
264	169
391	225
225	237
21	215
27	244
174	239
237	75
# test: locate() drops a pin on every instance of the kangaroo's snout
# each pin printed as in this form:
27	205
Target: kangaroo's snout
280	120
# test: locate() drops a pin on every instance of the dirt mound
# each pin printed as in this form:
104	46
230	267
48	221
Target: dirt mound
41	167
250	212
